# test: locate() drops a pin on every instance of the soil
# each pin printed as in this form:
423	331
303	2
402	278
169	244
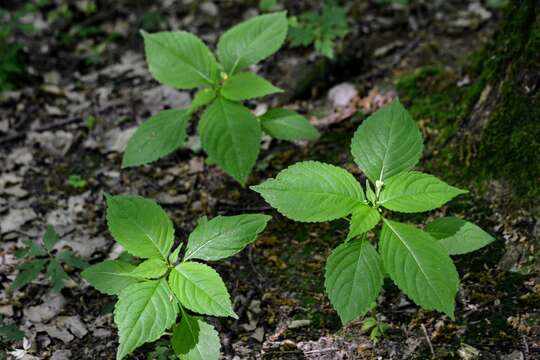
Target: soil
88	87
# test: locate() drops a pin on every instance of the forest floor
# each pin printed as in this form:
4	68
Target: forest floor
88	90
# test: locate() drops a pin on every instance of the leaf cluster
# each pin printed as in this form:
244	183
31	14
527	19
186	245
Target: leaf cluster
76	181
386	147
169	283
44	258
12	64
376	329
320	28
9	333
230	133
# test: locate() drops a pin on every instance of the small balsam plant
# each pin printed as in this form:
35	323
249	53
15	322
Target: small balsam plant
229	132
153	294
386	147
321	29
44	257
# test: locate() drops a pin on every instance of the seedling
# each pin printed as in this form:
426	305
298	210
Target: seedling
162	351
152	294
394	2
386	147
41	257
268	5
230	133
376	329
76	181
9	333
319	28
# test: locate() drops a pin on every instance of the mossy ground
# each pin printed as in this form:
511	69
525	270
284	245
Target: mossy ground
508	146
283	272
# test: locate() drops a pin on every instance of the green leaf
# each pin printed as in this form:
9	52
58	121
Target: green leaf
224	236
285	124
157	137
143	312
312	191
173	257
31	249
231	136
458	236
301	36
202	98
28	272
419	266
247	85
50	238
193	339
180	59
364	218
110	277
150	269
199	288
326	47
267	5
387	143
140	225
11	333
415	192
57	275
251	41
370	194
70	258
368	323
353	279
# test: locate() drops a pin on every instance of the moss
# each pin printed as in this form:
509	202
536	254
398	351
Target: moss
432	94
508	147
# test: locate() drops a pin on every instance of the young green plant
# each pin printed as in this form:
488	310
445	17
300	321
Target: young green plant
40	257
321	29
229	132
386	147
154	293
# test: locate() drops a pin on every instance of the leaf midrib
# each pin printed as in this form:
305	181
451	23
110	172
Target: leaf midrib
192	333
204	244
400	196
387	147
152	241
221	103
182	59
195	284
147	301
441	300
244	52
339	195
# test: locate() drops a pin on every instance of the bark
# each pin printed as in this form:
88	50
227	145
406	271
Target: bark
501	134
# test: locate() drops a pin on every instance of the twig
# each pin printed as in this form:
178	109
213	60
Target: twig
233	205
243	309
320	351
259	275
61	123
525	347
397	58
428	340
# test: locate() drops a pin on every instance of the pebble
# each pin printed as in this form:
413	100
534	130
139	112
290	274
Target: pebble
295	324
52	306
117	139
342	94
74	324
209	8
16	218
61	355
